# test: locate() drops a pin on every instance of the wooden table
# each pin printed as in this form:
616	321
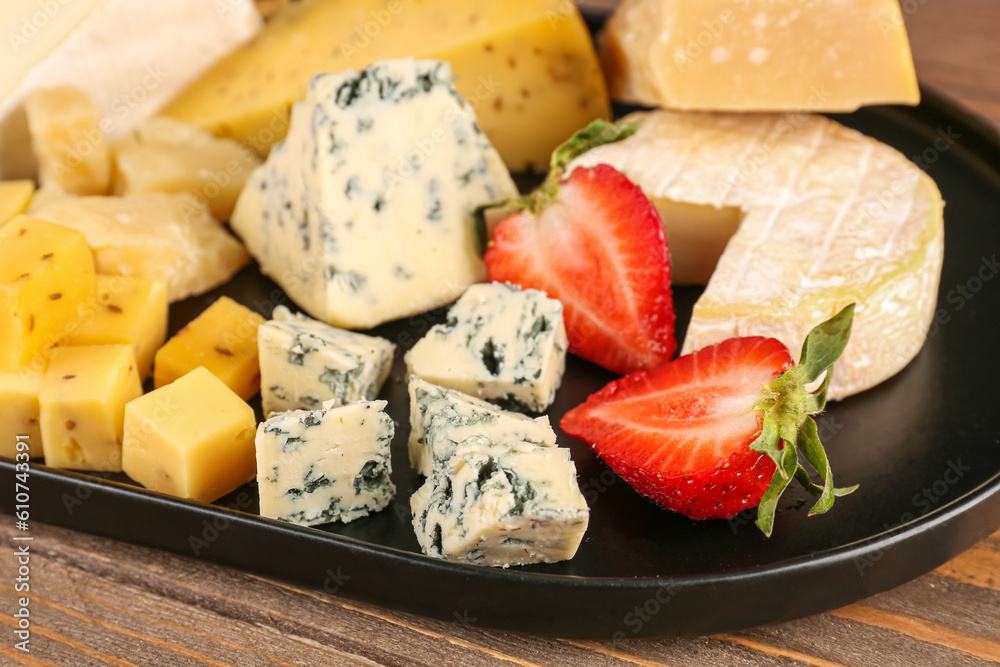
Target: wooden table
98	601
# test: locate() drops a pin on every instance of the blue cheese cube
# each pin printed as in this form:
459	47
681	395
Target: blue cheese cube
500	505
441	418
363	214
304	362
318	466
499	343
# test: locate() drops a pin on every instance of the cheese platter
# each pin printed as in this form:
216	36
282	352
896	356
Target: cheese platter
921	446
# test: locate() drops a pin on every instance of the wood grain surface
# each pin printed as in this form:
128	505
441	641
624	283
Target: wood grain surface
96	601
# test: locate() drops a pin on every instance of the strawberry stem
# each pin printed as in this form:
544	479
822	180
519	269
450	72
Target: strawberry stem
788	429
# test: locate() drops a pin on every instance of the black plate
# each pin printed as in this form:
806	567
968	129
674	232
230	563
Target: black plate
924	446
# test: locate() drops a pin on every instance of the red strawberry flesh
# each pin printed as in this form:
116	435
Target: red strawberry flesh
681	434
598	247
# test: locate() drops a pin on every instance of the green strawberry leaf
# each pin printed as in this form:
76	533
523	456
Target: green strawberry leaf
596	134
769	501
769	442
825	343
812	449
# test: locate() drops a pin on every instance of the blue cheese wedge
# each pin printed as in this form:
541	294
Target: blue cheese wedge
304	362
501	505
441	418
364	213
332	464
500	343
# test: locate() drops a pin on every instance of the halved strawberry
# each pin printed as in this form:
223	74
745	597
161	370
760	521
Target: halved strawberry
595	242
705	435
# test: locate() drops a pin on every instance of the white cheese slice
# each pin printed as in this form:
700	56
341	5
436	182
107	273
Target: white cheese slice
500	505
364	213
129	57
830	217
318	466
500	343
304	362
441	418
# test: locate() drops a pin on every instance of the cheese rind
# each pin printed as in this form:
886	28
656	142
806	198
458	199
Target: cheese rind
441	418
319	466
223	339
528	67
831	217
500	343
169	237
500	505
305	362
82	406
364	213
733	55
193	438
129	57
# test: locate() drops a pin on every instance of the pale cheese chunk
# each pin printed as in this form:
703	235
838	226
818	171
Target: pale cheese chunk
364	213
318	466
500	343
500	505
166	155
168	237
69	145
770	55
830	217
129	57
305	362
441	418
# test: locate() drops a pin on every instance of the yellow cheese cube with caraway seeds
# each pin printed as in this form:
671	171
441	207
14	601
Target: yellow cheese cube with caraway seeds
193	438
82	405
127	310
46	274
19	411
223	339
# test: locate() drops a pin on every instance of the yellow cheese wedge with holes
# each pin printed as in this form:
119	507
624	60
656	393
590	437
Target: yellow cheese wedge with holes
528	67
759	55
828	217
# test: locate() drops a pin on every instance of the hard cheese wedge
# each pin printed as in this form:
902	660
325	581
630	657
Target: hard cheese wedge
46	275
830	217
364	213
165	155
129	57
759	56
528	67
126	310
169	237
82	405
